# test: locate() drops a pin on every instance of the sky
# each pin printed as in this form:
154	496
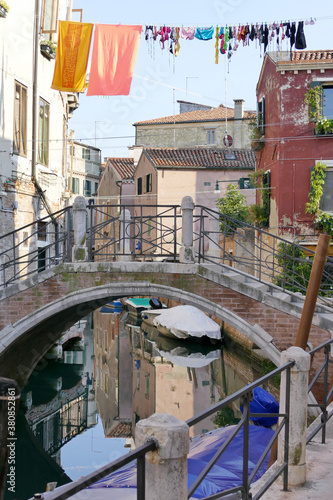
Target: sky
160	80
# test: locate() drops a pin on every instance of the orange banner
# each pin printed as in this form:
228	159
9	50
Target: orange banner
113	59
72	56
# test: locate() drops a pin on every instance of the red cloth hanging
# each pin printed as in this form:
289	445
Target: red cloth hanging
113	59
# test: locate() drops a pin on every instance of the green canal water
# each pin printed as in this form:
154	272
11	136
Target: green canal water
78	413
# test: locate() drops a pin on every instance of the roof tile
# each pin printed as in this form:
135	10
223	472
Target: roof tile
201	158
201	115
124	167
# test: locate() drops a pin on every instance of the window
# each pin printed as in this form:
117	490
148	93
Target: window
149	179
328	102
147	387
50	16
43	132
20	120
326	202
86	153
139	185
72	150
41	230
261	115
75	185
207	183
86	188
210	136
96	187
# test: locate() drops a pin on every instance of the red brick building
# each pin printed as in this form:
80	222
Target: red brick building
291	146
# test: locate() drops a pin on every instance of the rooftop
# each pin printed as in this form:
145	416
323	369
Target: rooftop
201	115
202	158
124	167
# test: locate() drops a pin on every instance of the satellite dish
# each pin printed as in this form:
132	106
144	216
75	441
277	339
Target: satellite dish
227	141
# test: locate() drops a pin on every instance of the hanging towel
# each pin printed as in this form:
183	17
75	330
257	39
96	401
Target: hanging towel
300	37
113	59
72	56
188	33
204	33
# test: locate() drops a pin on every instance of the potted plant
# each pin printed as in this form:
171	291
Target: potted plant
48	48
4	8
324	222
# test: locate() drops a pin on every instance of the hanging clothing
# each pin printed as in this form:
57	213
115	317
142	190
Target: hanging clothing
204	33
72	56
300	42
216	45
188	33
113	59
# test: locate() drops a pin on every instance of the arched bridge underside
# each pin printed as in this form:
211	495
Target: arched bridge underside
37	311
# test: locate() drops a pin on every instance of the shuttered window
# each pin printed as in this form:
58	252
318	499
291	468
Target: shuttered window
43	132
20	120
50	16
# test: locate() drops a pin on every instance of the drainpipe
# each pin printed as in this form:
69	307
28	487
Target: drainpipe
35	91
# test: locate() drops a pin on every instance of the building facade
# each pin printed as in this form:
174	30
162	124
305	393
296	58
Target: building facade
202	126
83	170
292	142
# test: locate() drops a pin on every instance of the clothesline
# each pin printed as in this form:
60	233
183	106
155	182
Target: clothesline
115	49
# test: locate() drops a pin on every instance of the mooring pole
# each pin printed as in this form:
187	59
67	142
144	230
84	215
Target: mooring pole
312	291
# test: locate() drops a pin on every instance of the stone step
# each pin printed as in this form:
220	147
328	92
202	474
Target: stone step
256	285
235	276
282	296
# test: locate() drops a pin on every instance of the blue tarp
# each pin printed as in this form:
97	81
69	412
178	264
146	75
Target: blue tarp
226	473
263	402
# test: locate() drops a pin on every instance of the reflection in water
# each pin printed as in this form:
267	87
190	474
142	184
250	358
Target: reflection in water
126	372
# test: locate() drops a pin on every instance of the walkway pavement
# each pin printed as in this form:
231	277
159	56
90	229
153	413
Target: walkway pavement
319	472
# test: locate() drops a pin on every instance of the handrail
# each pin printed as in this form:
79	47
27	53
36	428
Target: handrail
83	482
245	395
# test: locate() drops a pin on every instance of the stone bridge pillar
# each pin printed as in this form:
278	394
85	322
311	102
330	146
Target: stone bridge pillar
186	253
299	381
79	251
125	236
166	468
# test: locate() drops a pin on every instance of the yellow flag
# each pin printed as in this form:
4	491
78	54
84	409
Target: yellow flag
72	56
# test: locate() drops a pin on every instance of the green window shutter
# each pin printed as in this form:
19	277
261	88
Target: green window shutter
241	183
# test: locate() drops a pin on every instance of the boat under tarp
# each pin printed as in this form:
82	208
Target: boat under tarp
226	473
184	322
188	354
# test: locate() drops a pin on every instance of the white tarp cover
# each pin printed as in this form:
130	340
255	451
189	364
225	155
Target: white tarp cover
188	321
181	357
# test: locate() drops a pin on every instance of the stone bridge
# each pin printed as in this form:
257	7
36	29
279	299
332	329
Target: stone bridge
37	311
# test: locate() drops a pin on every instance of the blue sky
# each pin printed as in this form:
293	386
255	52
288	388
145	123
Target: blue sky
160	81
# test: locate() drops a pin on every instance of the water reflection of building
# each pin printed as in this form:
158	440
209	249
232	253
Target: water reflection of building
160	386
59	397
113	373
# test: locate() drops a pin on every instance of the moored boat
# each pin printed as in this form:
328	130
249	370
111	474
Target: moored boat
187	322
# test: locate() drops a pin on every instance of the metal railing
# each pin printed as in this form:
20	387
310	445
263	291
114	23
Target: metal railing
245	395
80	484
153	232
250	250
35	247
323	371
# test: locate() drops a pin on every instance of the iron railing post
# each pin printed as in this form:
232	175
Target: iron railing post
324	413
141	478
287	425
246	436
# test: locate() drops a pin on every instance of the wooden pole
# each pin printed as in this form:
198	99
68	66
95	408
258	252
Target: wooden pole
312	291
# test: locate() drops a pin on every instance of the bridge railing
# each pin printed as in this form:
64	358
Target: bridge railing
222	240
35	247
140	232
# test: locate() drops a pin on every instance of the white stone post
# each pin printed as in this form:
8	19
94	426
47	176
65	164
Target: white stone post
125	237
166	468
186	253
79	251
214	251
299	381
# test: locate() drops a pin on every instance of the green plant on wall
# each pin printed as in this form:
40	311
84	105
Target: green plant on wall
317	180
314	99
259	212
234	205
323	220
295	268
256	136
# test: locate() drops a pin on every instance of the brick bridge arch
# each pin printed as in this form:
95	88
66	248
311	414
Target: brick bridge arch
36	312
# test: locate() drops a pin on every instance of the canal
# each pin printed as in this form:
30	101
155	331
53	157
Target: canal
81	403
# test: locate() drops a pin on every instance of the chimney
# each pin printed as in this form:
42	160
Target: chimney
239	109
